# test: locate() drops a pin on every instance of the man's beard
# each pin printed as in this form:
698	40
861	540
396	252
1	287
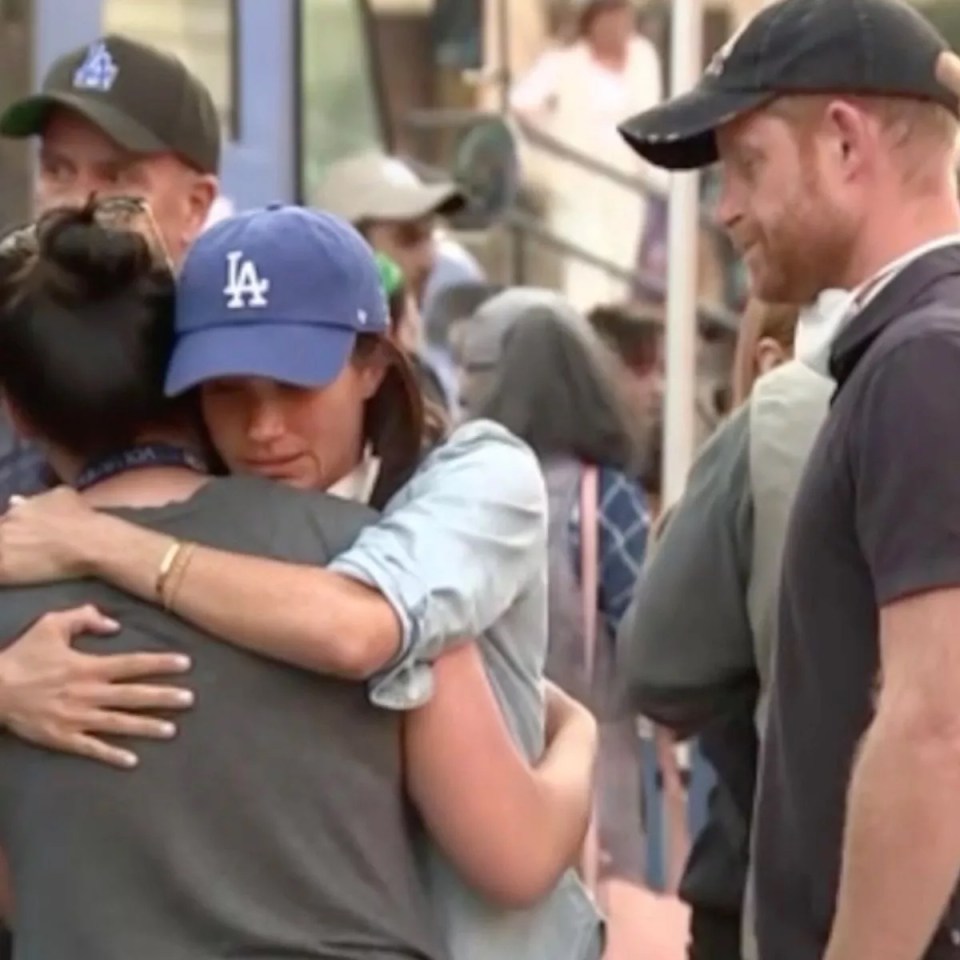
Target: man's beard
807	253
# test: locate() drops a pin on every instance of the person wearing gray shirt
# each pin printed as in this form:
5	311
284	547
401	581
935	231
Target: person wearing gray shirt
245	838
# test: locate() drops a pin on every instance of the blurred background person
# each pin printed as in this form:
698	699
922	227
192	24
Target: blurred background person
577	94
702	668
444	317
400	216
547	377
636	337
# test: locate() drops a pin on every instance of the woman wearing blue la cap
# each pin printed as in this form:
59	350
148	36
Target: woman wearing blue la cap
282	325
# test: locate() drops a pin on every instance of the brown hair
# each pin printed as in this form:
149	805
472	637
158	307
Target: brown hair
774	321
634	335
86	330
399	423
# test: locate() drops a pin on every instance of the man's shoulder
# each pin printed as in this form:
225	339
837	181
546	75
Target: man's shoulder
253	515
927	328
791	378
787	408
905	364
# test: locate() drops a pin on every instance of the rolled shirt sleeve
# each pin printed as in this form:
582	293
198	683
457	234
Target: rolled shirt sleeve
453	550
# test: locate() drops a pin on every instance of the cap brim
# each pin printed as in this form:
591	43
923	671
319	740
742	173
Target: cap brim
681	133
28	118
414	203
293	353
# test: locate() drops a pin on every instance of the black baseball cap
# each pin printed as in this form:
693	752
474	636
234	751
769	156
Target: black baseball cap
142	98
865	47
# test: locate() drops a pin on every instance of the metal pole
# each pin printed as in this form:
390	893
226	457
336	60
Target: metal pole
518	266
686	65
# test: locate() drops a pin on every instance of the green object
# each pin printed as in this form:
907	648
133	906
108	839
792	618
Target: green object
391	276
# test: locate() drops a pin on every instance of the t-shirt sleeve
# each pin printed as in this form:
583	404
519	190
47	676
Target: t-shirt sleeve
905	455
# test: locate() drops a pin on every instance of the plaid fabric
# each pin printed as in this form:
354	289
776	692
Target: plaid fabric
23	468
624	527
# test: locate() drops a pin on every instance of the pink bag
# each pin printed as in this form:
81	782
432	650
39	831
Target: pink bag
590	590
640	923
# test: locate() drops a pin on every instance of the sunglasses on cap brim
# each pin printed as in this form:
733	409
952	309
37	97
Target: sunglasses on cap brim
111	213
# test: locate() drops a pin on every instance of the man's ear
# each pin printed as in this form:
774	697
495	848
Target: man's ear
202	192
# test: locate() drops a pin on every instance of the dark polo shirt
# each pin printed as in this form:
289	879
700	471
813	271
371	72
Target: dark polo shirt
877	518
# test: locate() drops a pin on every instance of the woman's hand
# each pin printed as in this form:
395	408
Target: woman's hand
42	538
57	697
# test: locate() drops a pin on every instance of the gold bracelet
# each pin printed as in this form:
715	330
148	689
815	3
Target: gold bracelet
177	573
166	567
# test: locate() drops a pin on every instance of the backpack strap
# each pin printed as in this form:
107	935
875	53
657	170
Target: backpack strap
590	592
589	563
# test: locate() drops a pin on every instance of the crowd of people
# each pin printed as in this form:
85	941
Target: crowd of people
337	585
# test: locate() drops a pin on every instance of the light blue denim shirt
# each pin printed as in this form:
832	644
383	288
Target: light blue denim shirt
461	552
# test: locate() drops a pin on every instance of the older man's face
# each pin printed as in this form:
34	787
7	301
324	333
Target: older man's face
77	160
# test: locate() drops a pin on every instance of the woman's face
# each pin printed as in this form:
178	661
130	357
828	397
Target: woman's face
308	438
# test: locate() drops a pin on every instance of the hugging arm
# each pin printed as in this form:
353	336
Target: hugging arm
510	830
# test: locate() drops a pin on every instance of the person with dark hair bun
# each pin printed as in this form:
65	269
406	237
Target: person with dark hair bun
87	334
231	853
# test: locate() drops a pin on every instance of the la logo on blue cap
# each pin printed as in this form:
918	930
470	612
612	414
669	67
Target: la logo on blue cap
245	287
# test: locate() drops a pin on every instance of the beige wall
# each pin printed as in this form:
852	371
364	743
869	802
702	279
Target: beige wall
746	8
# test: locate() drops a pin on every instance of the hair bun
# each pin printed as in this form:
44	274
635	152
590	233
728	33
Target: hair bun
101	259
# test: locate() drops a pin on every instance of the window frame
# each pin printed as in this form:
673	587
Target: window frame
374	76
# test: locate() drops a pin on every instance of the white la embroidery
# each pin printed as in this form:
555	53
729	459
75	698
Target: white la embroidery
244	288
98	70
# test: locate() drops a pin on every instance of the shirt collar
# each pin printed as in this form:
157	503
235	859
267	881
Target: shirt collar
358	484
821	324
898	294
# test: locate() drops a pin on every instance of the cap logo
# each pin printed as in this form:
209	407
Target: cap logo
244	288
98	70
719	62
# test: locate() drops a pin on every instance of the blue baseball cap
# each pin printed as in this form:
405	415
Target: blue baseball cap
280	293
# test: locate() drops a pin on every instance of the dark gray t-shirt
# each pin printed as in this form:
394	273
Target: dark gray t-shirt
275	826
876	519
